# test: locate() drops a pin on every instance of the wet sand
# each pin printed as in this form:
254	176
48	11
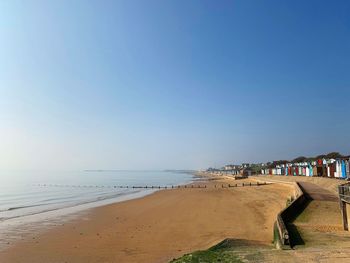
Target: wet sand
159	227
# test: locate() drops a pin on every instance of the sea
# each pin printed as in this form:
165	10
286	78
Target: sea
35	200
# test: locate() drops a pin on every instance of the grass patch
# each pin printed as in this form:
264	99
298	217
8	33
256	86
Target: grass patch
208	256
276	235
229	250
289	201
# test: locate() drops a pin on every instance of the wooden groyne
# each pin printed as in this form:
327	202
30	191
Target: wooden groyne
344	202
189	186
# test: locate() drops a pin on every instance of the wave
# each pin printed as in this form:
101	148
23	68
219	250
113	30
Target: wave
64	205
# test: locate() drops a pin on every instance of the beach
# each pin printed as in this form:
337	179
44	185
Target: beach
160	226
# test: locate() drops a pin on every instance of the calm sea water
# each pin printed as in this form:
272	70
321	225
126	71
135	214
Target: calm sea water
29	197
26	193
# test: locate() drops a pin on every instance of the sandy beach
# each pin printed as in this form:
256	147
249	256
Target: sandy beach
160	226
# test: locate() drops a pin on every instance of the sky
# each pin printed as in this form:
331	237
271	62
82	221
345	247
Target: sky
171	84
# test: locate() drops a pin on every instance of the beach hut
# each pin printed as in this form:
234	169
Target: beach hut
310	170
324	168
332	169
337	170
343	169
307	173
328	171
314	168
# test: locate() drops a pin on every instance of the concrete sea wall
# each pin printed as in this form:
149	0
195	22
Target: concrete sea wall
282	235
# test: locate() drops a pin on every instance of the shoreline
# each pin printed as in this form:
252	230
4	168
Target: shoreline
17	228
159	226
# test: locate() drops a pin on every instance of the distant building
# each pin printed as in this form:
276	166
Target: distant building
248	171
231	167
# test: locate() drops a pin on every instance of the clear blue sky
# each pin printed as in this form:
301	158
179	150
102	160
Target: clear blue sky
171	84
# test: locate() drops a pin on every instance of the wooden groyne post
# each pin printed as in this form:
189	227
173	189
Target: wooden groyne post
344	201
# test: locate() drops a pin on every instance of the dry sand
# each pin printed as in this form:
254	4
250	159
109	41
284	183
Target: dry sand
159	227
